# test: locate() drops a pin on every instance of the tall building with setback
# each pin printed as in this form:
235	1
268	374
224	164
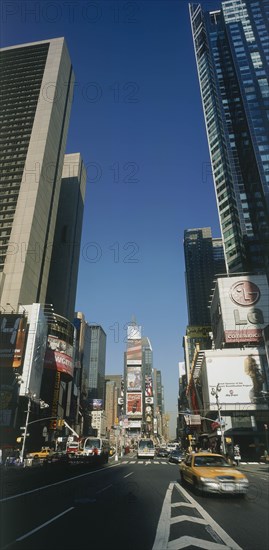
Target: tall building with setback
62	283
36	82
232	52
204	258
95	348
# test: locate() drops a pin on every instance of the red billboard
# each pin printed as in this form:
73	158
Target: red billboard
134	404
59	356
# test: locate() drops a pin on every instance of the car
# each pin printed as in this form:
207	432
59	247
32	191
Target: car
212	473
176	456
44	453
163	452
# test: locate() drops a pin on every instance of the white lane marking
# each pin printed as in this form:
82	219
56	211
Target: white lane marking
127	475
44	524
193	519
184	542
57	483
210	521
140	462
156	462
187	504
132	461
163	462
124	461
163	529
104	489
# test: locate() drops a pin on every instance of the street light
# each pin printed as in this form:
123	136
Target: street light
215	392
43	405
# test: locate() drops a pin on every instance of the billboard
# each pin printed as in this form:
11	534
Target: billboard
97	404
134	353
134	332
34	351
241	377
12	339
148	386
134	404
134	379
239	309
134	424
59	355
198	331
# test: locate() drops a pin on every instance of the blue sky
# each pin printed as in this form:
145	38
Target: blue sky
137	120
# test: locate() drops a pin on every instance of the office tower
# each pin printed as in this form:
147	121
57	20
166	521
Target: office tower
232	52
94	362
36	82
204	259
62	282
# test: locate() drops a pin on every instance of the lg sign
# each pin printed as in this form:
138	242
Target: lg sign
245	293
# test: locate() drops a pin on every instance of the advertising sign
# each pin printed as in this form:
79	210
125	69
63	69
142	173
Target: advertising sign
34	351
97	404
134	379
240	309
198	332
134	424
134	404
59	355
12	339
240	377
134	332
135	352
148	386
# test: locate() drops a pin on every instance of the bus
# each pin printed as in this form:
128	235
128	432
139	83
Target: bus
145	449
95	446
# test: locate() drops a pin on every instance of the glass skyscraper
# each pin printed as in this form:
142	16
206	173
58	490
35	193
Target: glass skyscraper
232	52
204	259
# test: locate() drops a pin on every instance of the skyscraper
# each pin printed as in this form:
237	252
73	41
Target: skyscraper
232	53
204	259
36	82
62	283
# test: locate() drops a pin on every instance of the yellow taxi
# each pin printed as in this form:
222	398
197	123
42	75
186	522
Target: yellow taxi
44	453
210	472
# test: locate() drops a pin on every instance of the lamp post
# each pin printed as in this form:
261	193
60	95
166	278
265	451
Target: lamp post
43	405
215	392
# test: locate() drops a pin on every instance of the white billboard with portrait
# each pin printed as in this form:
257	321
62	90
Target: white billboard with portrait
241	377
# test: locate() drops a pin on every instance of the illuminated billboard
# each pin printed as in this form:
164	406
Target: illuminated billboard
134	379
241	375
12	339
134	404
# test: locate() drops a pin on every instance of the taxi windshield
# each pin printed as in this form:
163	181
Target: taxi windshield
212	461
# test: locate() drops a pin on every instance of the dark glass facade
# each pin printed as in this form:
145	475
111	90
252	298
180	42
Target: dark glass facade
204	259
232	52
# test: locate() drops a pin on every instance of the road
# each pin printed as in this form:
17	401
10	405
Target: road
129	505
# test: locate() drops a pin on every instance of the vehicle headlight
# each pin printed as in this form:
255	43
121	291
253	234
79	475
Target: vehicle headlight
208	480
